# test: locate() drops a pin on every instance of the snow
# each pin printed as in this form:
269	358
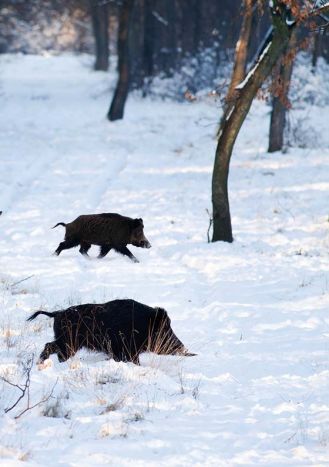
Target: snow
251	73
255	311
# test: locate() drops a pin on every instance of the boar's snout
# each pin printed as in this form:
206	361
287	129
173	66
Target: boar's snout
145	243
137	235
141	241
176	347
182	350
186	353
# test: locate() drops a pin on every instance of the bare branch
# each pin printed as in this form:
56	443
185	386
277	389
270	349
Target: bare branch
160	18
25	390
322	10
210	224
45	399
22	280
25	387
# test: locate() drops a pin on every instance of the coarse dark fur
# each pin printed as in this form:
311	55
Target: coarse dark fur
121	328
107	230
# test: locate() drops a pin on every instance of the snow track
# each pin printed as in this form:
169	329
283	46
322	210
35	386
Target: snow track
256	311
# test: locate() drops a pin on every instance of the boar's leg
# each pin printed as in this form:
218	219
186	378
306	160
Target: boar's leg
121	352
126	357
84	247
103	251
50	348
70	243
131	358
124	251
55	347
64	355
135	359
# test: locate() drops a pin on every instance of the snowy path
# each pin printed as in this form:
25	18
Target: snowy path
255	311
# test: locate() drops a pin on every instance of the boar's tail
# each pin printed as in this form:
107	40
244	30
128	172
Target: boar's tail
40	312
59	223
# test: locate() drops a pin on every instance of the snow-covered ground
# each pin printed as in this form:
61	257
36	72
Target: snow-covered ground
255	311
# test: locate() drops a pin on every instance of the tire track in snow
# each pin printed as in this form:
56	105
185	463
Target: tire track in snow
102	185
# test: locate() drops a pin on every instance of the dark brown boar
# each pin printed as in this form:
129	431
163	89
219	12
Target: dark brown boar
123	329
107	230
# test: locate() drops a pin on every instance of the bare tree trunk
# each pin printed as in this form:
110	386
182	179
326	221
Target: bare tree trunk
241	49
230	126
148	46
165	14
280	101
317	49
117	106
100	21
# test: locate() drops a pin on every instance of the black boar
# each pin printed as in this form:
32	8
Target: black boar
108	230
121	328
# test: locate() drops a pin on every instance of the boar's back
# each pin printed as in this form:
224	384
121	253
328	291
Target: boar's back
101	229
119	321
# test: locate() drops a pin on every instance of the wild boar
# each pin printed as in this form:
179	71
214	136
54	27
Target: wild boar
123	329
107	230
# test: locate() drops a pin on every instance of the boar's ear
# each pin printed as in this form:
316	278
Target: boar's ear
138	222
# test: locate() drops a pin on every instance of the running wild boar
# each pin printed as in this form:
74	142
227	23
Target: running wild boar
107	230
123	329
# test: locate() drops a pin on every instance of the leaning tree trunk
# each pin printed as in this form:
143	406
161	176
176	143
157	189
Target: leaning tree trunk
230	126
241	50
100	21
121	92
280	101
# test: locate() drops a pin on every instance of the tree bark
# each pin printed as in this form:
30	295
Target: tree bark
121	92
280	102
241	49
165	15
230	126
100	21
317	48
148	46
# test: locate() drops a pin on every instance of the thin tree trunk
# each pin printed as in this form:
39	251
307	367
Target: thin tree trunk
280	101
240	58
241	49
317	48
230	126
172	40
100	21
166	18
148	46
121	92
197	20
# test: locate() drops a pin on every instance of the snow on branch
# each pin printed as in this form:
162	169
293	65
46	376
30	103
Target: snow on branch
320	10
254	68
160	18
